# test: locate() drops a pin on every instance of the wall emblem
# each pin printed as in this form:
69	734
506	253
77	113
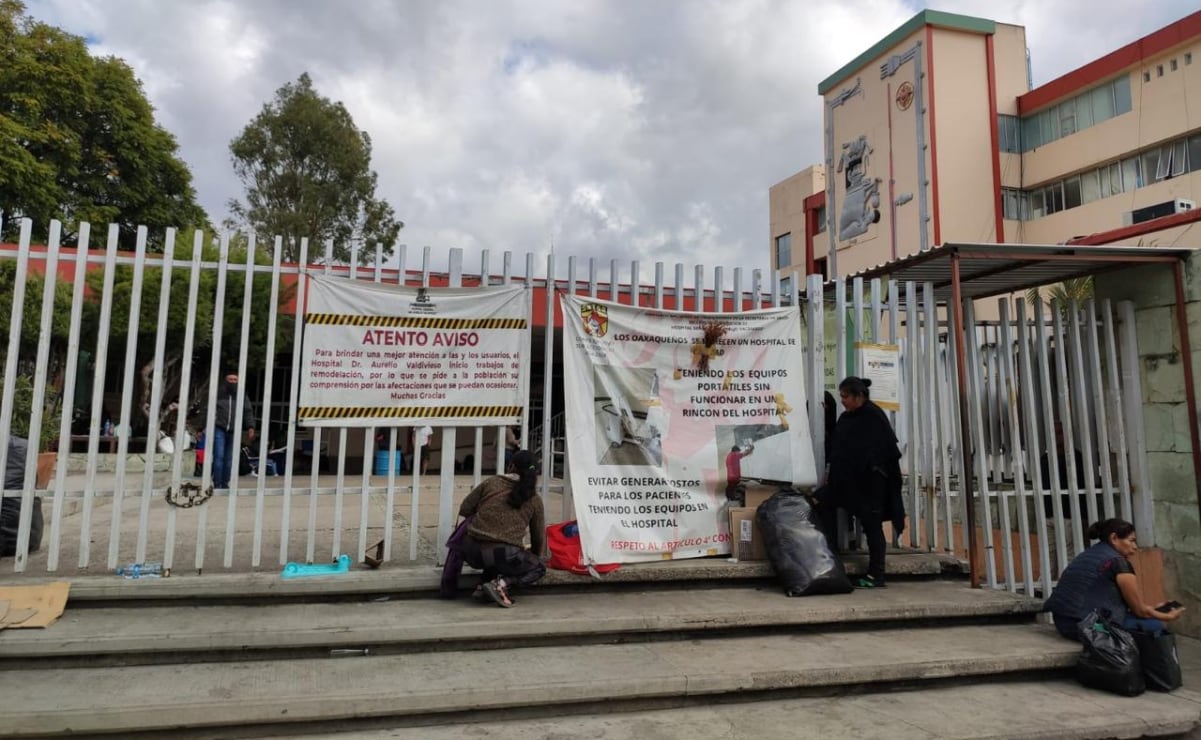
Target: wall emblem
905	95
861	203
596	319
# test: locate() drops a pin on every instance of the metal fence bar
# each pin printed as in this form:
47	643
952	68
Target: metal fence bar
1015	452
25	518
256	552
156	392
912	404
131	353
1030	416
234	461
1080	388
977	411
214	370
73	345
102	340
1119	409
184	400
285	516
368	440
318	456
1006	454
1052	480
1064	432
1100	402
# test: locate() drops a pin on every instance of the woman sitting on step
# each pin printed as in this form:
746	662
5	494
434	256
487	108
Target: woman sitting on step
505	507
1102	578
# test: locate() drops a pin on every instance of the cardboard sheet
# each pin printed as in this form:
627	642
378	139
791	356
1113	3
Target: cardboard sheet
27	607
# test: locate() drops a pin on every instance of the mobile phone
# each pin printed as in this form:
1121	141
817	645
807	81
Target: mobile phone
1168	606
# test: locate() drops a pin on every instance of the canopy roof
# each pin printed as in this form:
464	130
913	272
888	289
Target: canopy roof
987	270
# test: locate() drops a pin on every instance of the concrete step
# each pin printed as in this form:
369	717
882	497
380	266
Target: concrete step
1051	710
535	681
162	634
423	580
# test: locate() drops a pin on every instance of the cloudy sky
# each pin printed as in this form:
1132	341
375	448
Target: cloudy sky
621	129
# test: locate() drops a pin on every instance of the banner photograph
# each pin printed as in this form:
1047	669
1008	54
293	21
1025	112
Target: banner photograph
666	411
383	354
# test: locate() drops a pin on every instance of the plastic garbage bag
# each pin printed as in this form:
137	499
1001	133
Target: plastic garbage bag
799	553
1110	659
1161	664
10	508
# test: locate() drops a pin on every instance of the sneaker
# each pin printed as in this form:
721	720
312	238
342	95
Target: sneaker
869	582
478	594
497	592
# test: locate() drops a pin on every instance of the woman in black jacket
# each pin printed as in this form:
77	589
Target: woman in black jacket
865	472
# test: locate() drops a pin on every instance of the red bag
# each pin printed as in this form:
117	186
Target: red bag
563	541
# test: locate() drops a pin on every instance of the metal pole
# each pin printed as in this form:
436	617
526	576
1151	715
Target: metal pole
1190	392
964	433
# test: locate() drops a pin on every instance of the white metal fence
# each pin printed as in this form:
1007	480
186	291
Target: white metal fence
1030	366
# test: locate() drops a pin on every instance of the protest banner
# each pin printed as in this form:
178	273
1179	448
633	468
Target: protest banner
379	354
656	401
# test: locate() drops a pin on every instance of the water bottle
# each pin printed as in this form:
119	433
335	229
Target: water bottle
143	570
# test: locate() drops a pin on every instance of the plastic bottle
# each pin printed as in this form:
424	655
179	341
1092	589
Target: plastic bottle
143	570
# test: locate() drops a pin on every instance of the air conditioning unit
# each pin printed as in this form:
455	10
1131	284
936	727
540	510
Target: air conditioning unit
1159	210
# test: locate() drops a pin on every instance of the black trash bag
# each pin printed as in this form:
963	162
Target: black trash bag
10	508
1161	664
1110	659
802	559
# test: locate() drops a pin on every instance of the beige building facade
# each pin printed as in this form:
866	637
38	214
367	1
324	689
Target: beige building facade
934	135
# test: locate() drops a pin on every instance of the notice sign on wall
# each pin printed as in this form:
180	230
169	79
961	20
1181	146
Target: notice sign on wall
882	364
379	354
666	411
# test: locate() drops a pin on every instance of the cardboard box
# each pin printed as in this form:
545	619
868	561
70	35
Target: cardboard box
757	493
746	543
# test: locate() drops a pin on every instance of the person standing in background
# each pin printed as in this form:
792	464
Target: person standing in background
222	448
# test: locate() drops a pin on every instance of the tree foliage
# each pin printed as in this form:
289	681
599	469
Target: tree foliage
78	140
306	169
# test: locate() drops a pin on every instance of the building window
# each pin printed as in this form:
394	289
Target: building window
1144	168
1146	76
820	216
1159	70
1009	133
783	251
1188	58
786	291
1172	65
1075	114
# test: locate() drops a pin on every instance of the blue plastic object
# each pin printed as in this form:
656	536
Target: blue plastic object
304	570
143	570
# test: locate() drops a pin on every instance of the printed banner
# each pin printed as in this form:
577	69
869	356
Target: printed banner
665	410
882	364
384	354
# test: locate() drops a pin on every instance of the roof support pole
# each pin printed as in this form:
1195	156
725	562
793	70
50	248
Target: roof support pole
965	439
1190	390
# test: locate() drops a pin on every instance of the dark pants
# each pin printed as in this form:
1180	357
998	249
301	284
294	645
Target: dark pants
517	565
869	512
1069	627
223	456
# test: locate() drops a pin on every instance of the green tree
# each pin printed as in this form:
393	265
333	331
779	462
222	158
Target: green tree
306	169
1074	289
78	140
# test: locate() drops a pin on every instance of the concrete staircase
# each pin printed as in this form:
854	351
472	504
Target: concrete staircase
694	649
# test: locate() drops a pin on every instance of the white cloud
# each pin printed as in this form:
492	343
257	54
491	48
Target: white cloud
647	131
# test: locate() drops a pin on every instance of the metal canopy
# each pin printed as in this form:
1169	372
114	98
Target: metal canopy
987	270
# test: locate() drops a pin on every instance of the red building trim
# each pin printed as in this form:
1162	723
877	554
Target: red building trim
1130	232
990	58
812	205
1112	64
933	133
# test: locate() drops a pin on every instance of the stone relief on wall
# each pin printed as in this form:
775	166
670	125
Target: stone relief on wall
861	201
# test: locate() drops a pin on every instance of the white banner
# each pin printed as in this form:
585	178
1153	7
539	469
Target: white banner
660	405
376	354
